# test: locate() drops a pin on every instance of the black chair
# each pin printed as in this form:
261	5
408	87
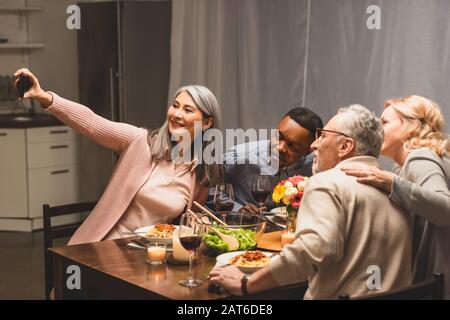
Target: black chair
56	232
432	289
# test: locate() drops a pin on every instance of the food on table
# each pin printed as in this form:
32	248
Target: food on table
245	237
250	259
162	231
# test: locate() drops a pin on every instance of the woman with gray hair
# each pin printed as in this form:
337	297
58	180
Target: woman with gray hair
148	186
415	140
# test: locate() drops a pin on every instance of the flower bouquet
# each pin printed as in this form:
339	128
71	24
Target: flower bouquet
290	192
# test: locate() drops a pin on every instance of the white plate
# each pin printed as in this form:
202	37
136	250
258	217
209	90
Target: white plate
224	259
281	222
279	210
281	216
143	230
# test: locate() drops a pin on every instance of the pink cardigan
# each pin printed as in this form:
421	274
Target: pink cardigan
131	172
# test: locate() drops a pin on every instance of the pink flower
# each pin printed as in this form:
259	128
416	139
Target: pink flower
295	180
296	200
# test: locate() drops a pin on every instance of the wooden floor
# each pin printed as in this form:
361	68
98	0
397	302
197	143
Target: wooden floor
21	265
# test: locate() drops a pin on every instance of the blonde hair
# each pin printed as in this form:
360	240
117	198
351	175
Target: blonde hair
423	122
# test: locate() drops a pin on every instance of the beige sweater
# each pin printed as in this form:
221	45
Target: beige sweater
345	230
422	188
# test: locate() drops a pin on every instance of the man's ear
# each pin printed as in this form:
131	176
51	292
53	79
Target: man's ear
207	124
347	147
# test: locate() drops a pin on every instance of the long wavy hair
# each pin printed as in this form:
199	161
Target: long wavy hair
423	122
160	139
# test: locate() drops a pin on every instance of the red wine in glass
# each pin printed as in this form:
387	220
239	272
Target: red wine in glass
224	206
260	196
261	189
191	243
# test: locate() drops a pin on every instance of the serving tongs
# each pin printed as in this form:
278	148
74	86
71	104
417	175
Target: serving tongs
209	213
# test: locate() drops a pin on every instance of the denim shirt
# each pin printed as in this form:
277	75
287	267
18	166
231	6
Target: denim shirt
255	157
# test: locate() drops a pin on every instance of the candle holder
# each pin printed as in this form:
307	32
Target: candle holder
156	253
287	237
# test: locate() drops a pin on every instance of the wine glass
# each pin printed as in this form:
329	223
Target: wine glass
261	189
189	234
224	199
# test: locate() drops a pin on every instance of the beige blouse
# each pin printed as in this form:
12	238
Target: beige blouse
162	198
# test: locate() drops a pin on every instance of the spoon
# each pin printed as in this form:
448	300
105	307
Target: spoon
232	242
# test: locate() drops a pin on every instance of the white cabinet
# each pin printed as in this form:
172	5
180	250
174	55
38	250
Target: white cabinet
52	167
13	173
55	185
37	166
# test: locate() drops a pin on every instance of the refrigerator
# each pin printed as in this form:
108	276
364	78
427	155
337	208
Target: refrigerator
124	67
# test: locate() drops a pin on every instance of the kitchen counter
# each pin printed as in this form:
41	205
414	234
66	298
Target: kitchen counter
26	121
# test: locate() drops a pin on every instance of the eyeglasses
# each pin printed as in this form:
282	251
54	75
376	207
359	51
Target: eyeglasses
320	131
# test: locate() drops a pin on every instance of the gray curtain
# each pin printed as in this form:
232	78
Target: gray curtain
250	53
348	63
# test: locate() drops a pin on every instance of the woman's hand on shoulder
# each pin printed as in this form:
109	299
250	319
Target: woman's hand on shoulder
373	176
35	92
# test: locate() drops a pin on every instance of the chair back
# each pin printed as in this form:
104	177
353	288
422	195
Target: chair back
432	289
52	232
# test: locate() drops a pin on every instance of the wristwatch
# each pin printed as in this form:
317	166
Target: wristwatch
244	281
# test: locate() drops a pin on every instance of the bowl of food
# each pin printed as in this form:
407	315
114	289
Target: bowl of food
162	233
246	228
246	261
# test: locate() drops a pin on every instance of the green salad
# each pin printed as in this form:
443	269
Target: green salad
245	237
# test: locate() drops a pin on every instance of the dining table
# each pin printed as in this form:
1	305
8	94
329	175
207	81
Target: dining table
112	269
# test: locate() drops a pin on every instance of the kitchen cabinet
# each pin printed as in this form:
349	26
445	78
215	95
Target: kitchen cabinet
38	165
13	173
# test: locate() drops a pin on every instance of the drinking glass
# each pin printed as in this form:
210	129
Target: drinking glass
223	199
190	238
261	189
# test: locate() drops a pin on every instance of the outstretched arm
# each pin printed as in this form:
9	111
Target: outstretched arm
112	135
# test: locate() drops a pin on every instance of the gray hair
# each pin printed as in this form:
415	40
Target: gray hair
365	128
160	139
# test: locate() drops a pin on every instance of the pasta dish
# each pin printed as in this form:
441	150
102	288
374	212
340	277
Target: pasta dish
250	259
161	231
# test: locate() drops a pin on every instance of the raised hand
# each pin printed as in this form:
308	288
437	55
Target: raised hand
35	91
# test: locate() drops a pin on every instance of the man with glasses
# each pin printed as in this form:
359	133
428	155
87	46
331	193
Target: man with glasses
350	239
245	161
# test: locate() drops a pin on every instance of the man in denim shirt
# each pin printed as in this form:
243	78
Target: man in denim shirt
296	134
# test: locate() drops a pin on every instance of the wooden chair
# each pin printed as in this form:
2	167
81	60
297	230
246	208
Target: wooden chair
432	289
55	232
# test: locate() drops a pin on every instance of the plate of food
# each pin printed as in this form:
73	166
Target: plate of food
279	210
158	233
246	261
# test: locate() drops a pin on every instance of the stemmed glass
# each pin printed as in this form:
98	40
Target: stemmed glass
189	234
224	199
261	189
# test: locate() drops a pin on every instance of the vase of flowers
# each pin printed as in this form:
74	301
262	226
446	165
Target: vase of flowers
290	192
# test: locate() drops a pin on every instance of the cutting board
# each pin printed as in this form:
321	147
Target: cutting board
270	241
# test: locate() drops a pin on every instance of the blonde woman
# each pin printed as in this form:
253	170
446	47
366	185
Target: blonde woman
147	186
415	140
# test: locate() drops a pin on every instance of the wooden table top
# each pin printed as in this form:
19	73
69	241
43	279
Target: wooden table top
114	258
